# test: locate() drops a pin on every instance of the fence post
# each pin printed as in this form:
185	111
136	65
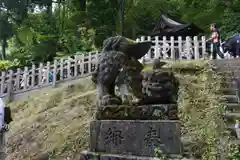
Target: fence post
196	48
203	45
68	68
172	48
47	72
164	49
18	79
55	65
150	50
90	62
9	85
188	47
180	49
156	50
75	67
61	68
25	78
82	64
3	82
33	75
40	75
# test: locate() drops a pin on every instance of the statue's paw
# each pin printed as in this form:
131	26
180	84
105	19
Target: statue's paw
111	100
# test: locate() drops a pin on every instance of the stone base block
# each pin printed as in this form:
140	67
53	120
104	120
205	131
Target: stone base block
85	155
145	112
135	137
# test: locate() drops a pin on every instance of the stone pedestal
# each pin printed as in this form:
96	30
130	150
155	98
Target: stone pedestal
134	133
139	138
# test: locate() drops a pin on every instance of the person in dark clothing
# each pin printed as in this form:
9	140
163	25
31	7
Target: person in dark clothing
215	40
232	45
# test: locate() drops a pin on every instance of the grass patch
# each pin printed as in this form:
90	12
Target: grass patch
199	106
54	125
200	109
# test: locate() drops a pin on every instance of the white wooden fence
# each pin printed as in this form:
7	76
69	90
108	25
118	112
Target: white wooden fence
170	48
49	74
179	49
27	79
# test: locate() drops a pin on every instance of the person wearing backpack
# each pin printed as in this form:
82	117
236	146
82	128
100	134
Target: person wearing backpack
5	119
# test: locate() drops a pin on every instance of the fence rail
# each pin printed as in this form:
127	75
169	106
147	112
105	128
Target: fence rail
66	69
180	48
24	80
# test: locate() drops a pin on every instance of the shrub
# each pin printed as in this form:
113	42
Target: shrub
6	64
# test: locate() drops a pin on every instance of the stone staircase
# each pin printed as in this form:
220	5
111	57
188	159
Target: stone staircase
230	70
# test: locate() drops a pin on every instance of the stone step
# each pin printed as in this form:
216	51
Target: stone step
232	115
229	85
86	155
236	142
135	137
229	91
229	72
230	98
226	64
233	107
231	80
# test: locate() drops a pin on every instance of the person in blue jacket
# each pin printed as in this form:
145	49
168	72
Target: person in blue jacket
50	76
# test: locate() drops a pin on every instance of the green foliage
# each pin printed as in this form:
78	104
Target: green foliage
200	107
159	154
230	22
33	42
6	64
76	26
83	40
234	153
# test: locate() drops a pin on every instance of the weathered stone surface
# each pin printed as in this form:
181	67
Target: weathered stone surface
159	87
158	64
145	112
118	53
85	155
129	83
137	137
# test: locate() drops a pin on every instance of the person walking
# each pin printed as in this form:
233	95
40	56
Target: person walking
3	129
215	40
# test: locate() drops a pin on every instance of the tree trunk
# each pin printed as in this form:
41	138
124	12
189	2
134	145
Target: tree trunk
122	17
63	16
133	32
4	45
83	4
113	26
114	4
49	9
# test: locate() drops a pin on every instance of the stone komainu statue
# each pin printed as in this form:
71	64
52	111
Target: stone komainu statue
159	86
118	55
129	83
